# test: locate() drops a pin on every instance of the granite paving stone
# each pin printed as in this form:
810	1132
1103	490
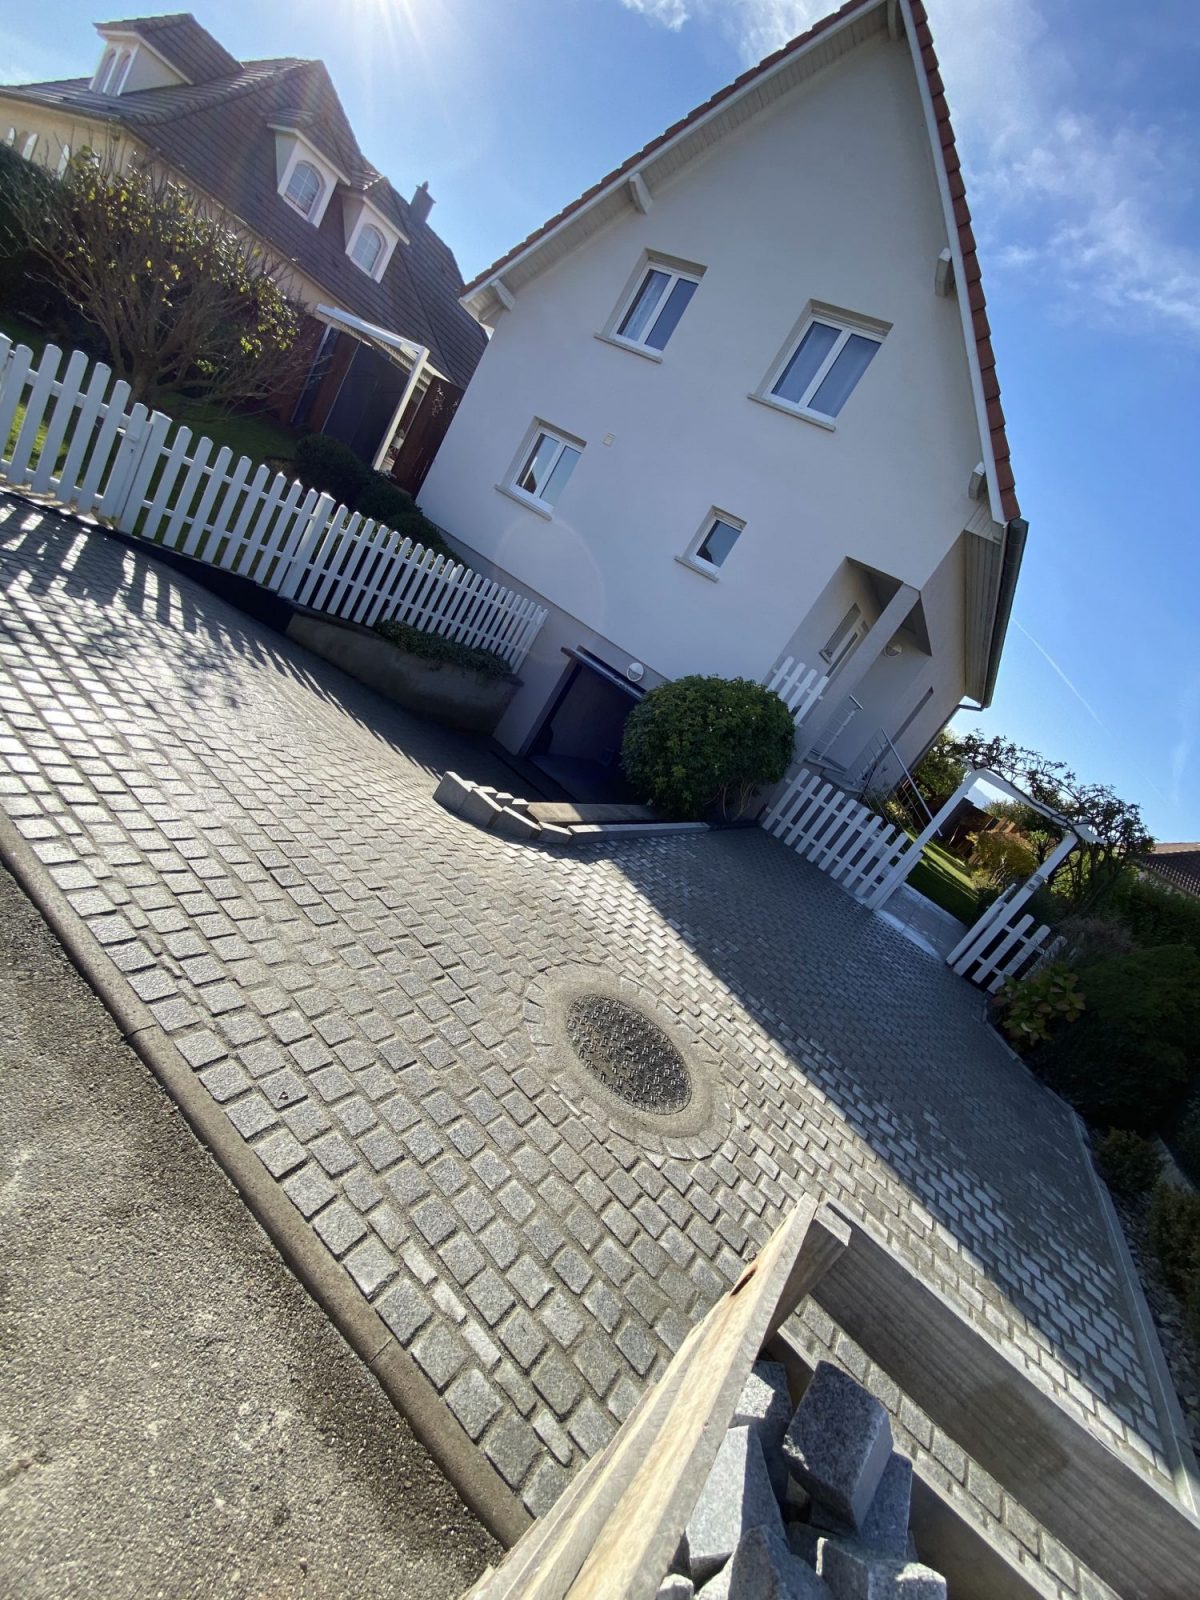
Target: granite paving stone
252	836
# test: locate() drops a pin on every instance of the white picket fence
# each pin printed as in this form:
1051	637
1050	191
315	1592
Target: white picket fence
1003	944
80	443
798	686
837	833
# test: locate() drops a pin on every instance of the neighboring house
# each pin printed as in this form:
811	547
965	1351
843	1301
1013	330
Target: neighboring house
1176	864
269	142
740	404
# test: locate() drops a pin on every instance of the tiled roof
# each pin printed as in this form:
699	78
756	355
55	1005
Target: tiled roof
181	40
217	134
973	286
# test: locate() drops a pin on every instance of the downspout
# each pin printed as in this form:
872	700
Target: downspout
1015	535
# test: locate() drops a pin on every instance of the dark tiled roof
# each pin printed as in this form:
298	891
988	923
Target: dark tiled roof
181	40
217	134
973	287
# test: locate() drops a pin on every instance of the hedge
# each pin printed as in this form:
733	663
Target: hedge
436	647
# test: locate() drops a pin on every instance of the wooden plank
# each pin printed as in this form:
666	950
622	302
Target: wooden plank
63	486
1134	1535
69	388
35	407
612	1534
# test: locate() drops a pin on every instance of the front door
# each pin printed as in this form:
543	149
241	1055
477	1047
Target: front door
578	743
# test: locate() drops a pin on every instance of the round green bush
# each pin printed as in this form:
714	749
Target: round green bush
699	743
1130	1058
1128	1163
384	501
331	467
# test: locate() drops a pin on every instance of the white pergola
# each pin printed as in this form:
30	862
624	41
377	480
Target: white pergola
1072	834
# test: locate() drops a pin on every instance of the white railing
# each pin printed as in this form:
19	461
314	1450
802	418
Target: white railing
798	686
1003	944
79	442
830	828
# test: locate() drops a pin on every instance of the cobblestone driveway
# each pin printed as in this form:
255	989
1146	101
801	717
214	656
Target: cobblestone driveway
369	986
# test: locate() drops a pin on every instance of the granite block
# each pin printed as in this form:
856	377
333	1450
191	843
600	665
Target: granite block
737	1496
763	1568
838	1444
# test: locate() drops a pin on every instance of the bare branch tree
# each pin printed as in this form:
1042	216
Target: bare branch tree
182	298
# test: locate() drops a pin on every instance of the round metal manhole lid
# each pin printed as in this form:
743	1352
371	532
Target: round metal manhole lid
630	1055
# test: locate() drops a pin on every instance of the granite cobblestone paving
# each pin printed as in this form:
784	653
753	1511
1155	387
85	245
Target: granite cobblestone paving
364	983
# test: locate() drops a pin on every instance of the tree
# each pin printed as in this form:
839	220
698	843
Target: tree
940	770
1089	874
180	296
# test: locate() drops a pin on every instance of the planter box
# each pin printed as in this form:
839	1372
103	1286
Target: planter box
458	696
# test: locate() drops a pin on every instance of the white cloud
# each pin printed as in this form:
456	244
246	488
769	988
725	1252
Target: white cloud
1083	200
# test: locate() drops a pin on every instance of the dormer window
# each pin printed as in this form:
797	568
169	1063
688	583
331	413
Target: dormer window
304	188
368	248
371	237
130	62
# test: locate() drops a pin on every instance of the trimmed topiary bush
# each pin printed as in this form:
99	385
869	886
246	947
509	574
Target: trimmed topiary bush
331	467
702	743
1130	1059
415	525
1128	1163
436	647
385	501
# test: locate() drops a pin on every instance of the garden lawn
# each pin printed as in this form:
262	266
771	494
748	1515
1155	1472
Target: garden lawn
942	878
256	435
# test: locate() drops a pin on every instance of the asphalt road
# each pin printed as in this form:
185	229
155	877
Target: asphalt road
177	1418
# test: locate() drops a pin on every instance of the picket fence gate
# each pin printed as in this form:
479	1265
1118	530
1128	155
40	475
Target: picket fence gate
857	848
798	686
1003	944
80	443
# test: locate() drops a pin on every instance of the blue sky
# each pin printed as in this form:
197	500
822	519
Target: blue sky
1080	125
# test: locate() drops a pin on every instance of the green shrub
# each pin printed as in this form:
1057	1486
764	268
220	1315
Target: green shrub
331	467
1183	1137
436	647
1002	858
384	501
701	742
1033	1006
1175	1232
1128	1163
1092	939
1155	913
415	525
1129	1060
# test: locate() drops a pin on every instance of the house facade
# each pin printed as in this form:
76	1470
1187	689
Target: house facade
270	144
739	405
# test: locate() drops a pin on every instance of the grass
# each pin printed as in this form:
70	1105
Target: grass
258	436
942	878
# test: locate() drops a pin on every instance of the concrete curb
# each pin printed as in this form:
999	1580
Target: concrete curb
478	1484
1176	1440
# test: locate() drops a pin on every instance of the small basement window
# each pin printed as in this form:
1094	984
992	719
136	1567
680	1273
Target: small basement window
658	302
304	188
710	549
824	367
547	467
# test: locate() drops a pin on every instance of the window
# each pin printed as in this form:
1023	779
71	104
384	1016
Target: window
822	371
710	549
64	159
29	148
106	61
120	71
368	249
304	187
658	302
843	639
547	467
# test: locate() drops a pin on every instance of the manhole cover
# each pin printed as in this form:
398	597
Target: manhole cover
629	1054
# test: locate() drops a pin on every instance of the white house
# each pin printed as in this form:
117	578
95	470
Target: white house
740	405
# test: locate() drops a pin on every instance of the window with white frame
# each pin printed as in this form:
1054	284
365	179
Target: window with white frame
843	639
823	367
658	301
102	71
710	549
546	467
304	187
368	249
